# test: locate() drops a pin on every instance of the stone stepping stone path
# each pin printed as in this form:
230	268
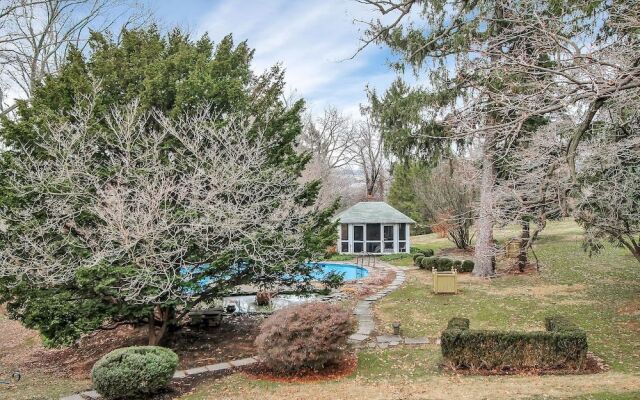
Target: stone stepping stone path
384	341
364	309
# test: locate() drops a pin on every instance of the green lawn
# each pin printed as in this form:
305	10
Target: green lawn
601	294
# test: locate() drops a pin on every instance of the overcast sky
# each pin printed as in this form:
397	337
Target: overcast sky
313	39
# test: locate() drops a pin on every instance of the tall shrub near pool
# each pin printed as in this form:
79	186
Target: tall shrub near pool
309	336
133	372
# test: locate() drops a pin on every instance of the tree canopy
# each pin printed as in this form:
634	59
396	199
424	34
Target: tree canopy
186	95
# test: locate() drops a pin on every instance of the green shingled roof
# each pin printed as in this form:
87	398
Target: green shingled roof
372	212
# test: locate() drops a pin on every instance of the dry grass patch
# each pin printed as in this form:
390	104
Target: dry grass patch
432	387
539	291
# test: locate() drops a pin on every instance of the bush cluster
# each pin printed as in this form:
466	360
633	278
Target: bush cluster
308	336
420	254
562	345
443	263
133	372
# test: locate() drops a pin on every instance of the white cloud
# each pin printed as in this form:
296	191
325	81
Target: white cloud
313	39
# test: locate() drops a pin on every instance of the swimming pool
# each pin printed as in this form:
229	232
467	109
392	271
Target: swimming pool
349	272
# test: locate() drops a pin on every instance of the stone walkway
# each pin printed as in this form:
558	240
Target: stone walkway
366	325
364	308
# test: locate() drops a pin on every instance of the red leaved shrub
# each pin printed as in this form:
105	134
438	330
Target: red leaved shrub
307	336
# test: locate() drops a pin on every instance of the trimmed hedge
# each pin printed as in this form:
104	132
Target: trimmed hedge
562	345
133	372
467	266
442	263
428	262
421	254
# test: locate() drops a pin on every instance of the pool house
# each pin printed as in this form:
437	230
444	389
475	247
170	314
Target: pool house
373	227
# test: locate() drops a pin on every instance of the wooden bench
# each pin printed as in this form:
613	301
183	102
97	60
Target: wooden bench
210	318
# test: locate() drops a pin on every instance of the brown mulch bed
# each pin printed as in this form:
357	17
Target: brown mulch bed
180	387
594	365
24	351
332	372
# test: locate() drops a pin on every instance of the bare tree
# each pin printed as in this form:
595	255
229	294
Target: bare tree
369	158
329	138
536	184
36	35
608	175
448	194
529	61
190	220
544	67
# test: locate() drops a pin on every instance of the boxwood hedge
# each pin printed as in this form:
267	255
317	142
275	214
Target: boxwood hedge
562	345
417	258
133	372
442	263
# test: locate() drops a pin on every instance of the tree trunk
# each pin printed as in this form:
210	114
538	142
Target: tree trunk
632	245
156	336
524	241
484	257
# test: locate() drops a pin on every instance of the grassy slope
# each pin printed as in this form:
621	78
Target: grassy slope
601	294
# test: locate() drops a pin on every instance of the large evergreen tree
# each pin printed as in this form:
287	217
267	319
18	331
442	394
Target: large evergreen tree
171	76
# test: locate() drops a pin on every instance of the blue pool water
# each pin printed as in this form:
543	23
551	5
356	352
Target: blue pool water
349	272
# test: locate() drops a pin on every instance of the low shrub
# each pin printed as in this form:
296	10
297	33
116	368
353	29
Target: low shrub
562	345
467	266
308	336
428	252
417	258
133	372
444	264
428	262
458	323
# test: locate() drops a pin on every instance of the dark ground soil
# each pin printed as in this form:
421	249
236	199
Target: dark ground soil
231	340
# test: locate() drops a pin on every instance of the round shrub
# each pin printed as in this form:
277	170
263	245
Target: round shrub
444	264
307	336
457	264
428	252
467	266
133	372
417	259
425	262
